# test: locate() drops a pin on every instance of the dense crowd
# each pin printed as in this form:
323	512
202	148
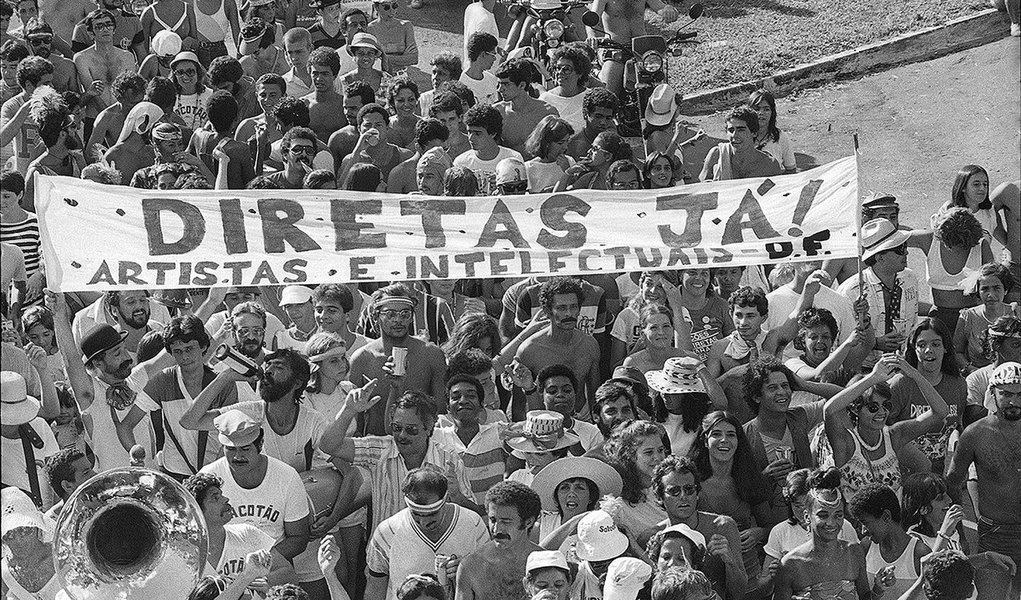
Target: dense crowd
802	430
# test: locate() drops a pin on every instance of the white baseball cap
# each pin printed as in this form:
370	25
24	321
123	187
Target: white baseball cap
295	294
625	578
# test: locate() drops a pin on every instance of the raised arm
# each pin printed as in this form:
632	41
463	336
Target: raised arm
903	432
335	441
221	391
77	376
837	421
50	408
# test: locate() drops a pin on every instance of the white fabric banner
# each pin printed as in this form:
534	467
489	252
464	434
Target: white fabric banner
101	237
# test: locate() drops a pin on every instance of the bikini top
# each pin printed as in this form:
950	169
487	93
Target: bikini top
156	16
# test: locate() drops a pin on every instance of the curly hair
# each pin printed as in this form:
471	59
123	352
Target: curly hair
126	83
556	370
50	112
420	586
813	317
758	374
958	228
480	42
325	57
753	484
674	464
599	97
675	583
948	575
422	404
617	146
747	297
470	330
286	591
399	83
430	130
59	468
579	60
291	112
873	499
486	117
559	286
747	115
199	485
652	549
300	133
622	166
449	62
518	495
621	452
470	361
363	177
446	102
225	69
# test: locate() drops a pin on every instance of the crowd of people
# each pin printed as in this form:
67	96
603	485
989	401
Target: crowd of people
803	430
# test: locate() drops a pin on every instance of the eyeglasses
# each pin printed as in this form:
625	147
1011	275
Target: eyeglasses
625	185
390	313
309	150
408	429
40	40
251	331
186	72
102	26
681	490
873	406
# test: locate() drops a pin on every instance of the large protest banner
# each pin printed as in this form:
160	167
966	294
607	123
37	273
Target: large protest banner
100	237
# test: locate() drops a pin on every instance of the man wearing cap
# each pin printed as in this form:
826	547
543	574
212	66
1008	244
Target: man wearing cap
497	569
106	388
264	492
625	578
127	35
39	36
890	287
678	483
26	440
258	52
599	543
133	150
163	47
101	63
511	177
296	301
393	312
993	445
430	170
411	541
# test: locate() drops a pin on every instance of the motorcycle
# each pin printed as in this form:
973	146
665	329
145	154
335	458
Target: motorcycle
547	25
645	66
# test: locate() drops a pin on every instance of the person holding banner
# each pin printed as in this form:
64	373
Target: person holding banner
738	158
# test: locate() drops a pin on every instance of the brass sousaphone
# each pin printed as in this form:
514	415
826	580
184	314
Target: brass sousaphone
130	534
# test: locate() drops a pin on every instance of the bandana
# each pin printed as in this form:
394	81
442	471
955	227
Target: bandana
120	395
425	509
738	347
397	301
161	133
336	351
826	498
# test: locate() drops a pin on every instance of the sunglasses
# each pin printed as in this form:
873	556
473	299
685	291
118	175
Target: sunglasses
251	332
40	40
513	188
873	407
186	72
308	150
681	490
408	429
102	26
405	313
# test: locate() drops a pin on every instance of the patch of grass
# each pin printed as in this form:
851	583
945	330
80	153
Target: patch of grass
745	40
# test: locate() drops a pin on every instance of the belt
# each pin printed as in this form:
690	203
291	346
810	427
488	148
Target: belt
212	44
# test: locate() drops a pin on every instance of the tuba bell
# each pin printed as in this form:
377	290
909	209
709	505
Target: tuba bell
130	534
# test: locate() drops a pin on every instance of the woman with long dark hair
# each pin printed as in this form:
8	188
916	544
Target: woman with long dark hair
634	450
770	138
971	190
724	457
928	513
930	351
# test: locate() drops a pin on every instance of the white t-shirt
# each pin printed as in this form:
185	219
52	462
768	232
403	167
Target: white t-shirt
570	109
589	434
192	108
477	18
485	89
241	540
783	300
484	169
14	470
289	448
680	440
785	537
542	175
398	548
279	499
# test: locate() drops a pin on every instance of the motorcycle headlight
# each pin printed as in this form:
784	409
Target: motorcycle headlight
652	62
553	29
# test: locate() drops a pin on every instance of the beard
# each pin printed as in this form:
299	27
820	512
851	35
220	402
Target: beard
137	319
44	51
271	390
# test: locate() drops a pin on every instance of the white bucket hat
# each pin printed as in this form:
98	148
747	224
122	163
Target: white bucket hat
598	537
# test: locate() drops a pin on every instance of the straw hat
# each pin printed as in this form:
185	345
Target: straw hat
542	431
17	510
552	475
678	376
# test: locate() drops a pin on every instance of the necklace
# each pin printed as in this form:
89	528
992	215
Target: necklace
865	446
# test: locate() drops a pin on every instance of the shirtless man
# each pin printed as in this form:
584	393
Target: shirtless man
496	570
128	89
521	112
993	445
622	21
63	15
392	311
562	342
325	105
101	63
738	158
41	40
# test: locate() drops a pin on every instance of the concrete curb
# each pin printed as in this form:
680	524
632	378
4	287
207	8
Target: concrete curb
960	34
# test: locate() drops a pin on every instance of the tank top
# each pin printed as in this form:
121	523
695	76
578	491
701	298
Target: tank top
167	26
18	591
212	27
903	568
860	471
936	274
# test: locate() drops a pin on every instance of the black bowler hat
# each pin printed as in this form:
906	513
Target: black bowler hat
99	339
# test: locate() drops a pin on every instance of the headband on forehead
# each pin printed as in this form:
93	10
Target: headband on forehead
424	509
397	300
166	134
826	498
335	351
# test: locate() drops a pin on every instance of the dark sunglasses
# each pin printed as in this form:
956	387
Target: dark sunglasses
408	429
681	490
186	72
873	407
309	150
40	40
513	188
